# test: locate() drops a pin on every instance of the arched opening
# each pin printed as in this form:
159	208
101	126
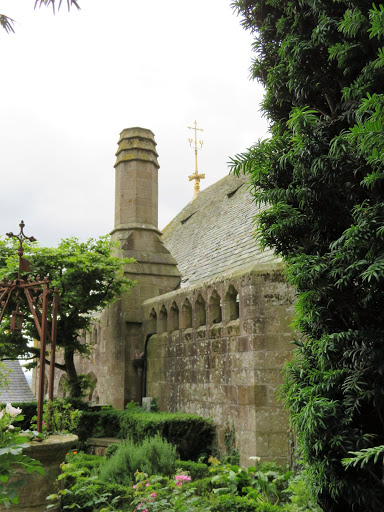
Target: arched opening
174	317
186	315
214	308
94	335
231	304
93	395
201	318
62	388
163	319
152	323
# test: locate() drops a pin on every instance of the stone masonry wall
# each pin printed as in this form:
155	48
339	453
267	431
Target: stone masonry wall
219	350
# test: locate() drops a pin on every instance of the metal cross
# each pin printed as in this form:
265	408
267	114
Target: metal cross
23	264
196	176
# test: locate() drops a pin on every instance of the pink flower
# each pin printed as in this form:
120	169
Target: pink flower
180	479
134	486
146	485
154	495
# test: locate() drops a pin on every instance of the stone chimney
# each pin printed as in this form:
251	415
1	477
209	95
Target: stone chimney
136	185
154	270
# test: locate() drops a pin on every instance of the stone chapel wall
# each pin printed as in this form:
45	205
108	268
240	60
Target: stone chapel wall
219	352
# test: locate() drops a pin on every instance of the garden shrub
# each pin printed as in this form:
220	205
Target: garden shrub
103	423
231	503
202	487
195	469
301	499
59	416
191	434
153	456
270	465
88	493
89	464
111	450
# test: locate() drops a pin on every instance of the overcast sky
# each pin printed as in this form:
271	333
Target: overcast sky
70	83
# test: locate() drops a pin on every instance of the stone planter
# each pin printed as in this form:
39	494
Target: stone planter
51	453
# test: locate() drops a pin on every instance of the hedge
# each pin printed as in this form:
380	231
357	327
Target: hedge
192	435
231	503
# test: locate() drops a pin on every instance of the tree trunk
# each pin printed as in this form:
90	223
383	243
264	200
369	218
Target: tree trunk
73	380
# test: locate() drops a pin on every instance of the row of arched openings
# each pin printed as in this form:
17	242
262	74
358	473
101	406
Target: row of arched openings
211	313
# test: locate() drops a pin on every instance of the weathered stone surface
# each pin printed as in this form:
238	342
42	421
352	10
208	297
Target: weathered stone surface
225	372
99	445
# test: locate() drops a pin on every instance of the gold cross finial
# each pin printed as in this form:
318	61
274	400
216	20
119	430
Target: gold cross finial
196	176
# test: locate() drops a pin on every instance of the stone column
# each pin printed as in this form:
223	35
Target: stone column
155	270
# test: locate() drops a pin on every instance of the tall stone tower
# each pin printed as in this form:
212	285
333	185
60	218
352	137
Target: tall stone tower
154	270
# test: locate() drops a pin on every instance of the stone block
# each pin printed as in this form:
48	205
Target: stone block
231	394
259	359
245	394
246	420
279	444
267	376
271	419
262	444
243	344
254	323
276	359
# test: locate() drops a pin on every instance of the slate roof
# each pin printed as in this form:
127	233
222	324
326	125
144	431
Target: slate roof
18	389
214	234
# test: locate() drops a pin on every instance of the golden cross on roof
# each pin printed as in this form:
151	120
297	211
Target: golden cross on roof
196	176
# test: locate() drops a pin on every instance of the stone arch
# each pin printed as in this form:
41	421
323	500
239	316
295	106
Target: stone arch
152	322
174	317
200	312
95	335
62	387
163	319
186	315
232	304
214	308
93	395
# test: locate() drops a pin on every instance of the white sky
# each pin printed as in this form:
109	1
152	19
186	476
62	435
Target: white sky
70	83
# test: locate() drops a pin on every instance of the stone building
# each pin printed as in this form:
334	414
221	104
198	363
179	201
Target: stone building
206	329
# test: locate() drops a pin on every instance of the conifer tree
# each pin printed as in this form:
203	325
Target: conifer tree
322	176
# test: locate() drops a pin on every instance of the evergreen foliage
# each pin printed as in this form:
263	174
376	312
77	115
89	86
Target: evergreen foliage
153	456
321	174
191	434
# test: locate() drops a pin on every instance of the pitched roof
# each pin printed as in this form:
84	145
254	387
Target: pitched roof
18	389
214	234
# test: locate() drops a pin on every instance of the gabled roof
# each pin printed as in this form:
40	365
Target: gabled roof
214	234
18	389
